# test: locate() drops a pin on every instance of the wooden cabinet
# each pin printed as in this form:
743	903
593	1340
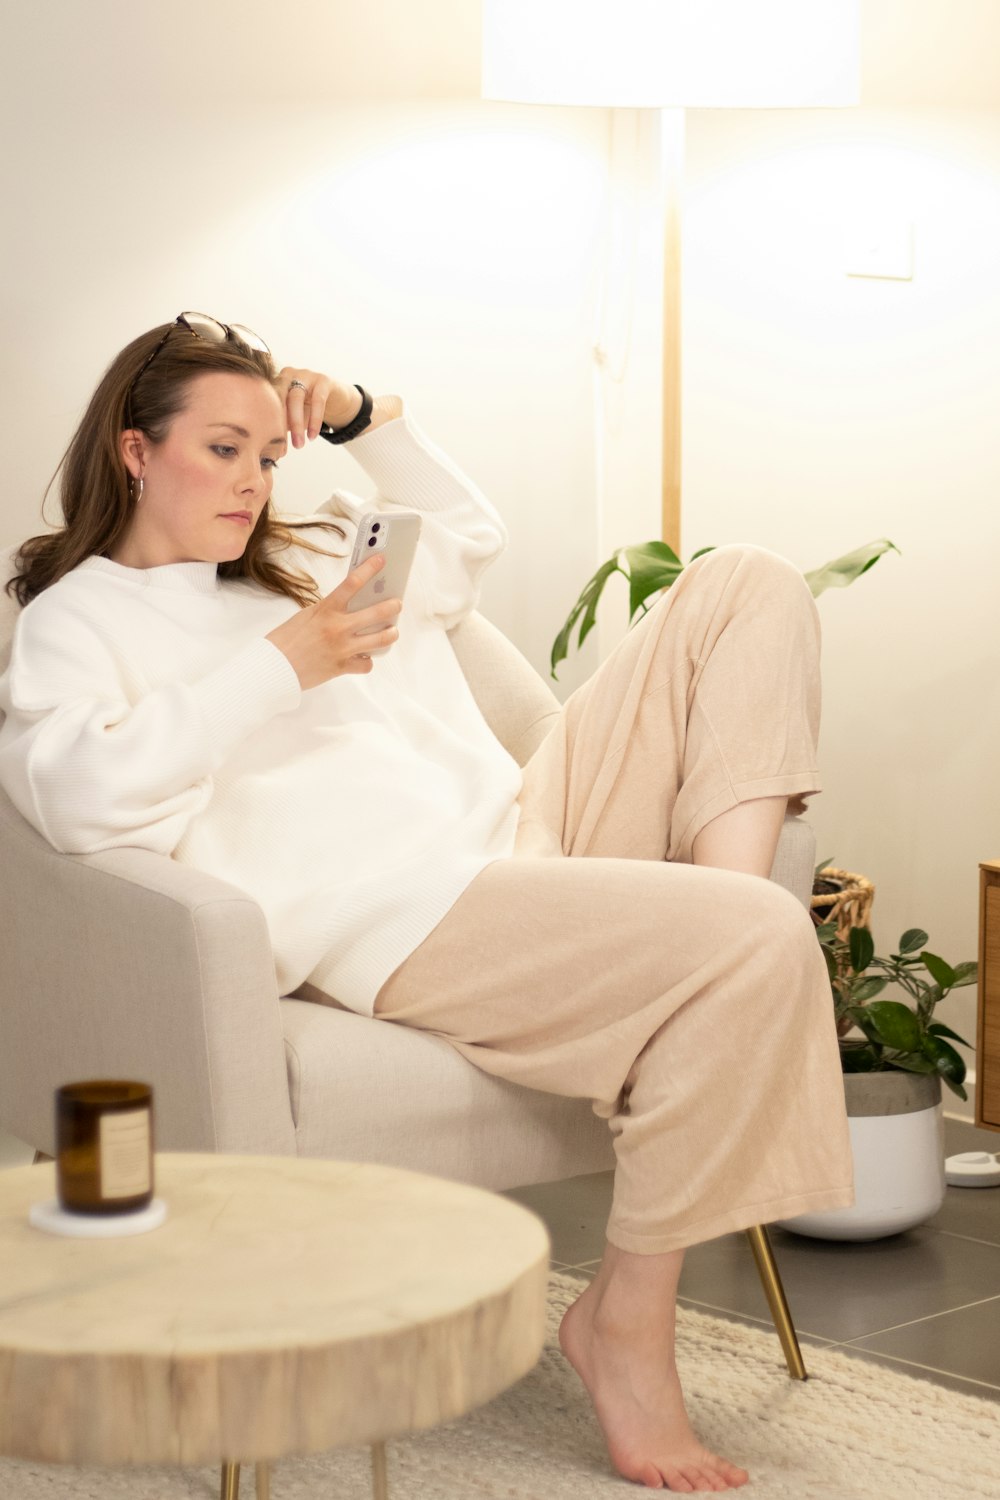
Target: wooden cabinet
988	1029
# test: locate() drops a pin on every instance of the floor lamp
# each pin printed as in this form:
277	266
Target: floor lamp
669	55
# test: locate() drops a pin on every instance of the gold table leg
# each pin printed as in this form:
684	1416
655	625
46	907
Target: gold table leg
380	1474
776	1301
230	1489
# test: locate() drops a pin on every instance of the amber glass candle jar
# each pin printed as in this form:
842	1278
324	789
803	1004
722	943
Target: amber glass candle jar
104	1146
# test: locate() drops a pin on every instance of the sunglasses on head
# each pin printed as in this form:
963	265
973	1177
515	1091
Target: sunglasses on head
204	327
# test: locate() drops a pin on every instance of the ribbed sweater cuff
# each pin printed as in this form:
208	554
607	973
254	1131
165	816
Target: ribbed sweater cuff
238	697
396	457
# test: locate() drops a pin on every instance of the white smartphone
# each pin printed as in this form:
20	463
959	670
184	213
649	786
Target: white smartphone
395	536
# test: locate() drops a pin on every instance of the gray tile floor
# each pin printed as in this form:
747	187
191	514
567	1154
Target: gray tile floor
926	1302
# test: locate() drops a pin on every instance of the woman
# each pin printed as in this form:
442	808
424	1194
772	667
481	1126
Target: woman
186	676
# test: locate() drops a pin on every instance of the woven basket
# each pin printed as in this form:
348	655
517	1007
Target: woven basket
849	906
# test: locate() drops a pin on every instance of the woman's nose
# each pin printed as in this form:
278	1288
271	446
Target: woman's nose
254	478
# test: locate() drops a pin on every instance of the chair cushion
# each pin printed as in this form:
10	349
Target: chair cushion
370	1090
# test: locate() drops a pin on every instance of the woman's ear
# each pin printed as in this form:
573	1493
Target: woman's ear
133	451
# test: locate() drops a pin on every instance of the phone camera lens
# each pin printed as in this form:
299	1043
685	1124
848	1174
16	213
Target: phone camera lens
376	526
372	540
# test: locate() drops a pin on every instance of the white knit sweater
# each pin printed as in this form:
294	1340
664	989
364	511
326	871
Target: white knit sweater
146	707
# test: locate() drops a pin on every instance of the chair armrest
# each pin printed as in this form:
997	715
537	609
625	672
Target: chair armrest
127	964
516	703
795	858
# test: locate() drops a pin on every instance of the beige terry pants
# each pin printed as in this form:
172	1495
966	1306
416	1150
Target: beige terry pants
690	1004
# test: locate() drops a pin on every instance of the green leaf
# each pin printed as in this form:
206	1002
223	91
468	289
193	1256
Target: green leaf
700	553
946	1060
862	948
937	1028
651	567
939	971
859	1015
913	1063
868	989
966	973
912	939
858	1058
844	570
586	606
824	864
893	1025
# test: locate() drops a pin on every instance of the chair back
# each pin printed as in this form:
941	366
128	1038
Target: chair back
9	607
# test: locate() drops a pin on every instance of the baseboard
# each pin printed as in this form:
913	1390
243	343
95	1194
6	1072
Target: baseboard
961	1109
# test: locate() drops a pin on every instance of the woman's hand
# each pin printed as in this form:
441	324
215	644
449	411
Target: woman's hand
322	400
324	641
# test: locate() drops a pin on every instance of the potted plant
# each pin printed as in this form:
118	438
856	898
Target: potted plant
653	566
894	1056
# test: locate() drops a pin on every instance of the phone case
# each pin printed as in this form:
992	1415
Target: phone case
395	535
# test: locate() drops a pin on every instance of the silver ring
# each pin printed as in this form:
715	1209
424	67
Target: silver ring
297	385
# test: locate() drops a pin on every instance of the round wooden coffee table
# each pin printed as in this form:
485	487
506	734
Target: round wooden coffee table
285	1307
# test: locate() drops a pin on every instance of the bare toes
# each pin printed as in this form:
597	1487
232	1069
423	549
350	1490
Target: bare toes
676	1481
699	1479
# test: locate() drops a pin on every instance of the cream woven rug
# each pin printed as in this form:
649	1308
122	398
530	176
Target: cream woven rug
853	1431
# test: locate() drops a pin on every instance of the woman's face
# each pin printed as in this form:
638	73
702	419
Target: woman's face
206	484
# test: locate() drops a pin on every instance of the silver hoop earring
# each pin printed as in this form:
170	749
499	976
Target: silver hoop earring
137	493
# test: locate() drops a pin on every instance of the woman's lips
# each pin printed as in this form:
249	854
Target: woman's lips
242	516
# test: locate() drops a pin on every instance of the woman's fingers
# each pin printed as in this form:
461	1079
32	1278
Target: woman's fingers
380	616
305	394
316	403
341	596
328	638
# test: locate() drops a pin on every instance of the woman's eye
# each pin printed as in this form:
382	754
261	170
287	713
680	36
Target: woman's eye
224	450
270	463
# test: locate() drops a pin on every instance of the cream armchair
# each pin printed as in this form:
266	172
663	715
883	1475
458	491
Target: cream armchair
126	964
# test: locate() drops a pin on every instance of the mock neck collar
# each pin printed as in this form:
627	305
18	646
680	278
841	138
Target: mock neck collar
182	578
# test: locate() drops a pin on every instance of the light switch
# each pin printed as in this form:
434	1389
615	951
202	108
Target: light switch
879	247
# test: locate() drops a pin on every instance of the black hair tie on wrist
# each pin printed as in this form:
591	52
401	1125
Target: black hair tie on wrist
360	422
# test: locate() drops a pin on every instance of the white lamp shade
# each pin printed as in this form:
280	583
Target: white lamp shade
742	54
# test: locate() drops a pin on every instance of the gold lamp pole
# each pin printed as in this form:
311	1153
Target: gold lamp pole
672	165
670	55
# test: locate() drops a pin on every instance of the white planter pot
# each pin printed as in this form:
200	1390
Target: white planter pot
897	1139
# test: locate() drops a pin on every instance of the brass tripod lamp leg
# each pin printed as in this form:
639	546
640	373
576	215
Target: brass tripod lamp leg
775	1294
230	1489
263	1481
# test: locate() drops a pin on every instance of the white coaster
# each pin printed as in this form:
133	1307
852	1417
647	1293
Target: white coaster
55	1220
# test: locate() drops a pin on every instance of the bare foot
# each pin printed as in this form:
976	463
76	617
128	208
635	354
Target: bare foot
633	1383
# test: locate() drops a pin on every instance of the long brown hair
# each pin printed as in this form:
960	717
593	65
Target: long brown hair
95	488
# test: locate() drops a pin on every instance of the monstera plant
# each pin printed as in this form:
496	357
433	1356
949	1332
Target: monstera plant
653	566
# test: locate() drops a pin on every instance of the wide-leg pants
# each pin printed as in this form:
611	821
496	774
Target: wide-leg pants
691	1005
